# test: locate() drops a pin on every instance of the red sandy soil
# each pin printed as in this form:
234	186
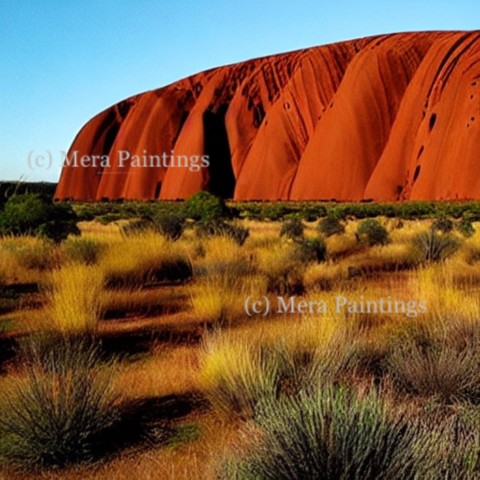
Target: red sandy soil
392	117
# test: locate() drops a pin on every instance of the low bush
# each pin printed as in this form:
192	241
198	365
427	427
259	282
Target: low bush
169	225
286	280
371	232
205	206
292	228
331	225
311	250
109	218
34	214
442	224
273	211
466	228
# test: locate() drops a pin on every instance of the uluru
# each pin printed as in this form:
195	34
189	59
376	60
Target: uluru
385	118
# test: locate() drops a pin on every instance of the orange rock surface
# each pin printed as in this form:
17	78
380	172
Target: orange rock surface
392	117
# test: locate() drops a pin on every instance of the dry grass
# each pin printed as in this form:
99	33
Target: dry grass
438	286
74	299
246	359
25	259
241	368
166	371
325	276
121	303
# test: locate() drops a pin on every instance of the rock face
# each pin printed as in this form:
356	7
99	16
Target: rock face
393	117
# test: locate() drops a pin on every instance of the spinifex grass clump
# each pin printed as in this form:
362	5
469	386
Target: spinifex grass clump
439	361
332	434
215	296
60	412
142	259
83	250
438	370
238	374
431	246
30	253
282	269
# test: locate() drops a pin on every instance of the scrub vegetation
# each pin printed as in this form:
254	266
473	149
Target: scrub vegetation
205	340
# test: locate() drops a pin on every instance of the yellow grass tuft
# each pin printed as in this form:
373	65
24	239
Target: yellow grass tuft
133	261
438	286
74	298
325	276
220	298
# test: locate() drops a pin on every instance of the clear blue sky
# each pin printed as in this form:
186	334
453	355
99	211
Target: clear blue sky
61	64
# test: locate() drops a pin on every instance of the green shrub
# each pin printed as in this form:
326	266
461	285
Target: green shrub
33	214
372	233
83	250
109	218
431	246
442	224
23	214
292	228
169	225
466	228
331	225
273	211
205	206
331	434
311	250
58	414
219	227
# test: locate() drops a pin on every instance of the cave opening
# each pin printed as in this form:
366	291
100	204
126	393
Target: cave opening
216	146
